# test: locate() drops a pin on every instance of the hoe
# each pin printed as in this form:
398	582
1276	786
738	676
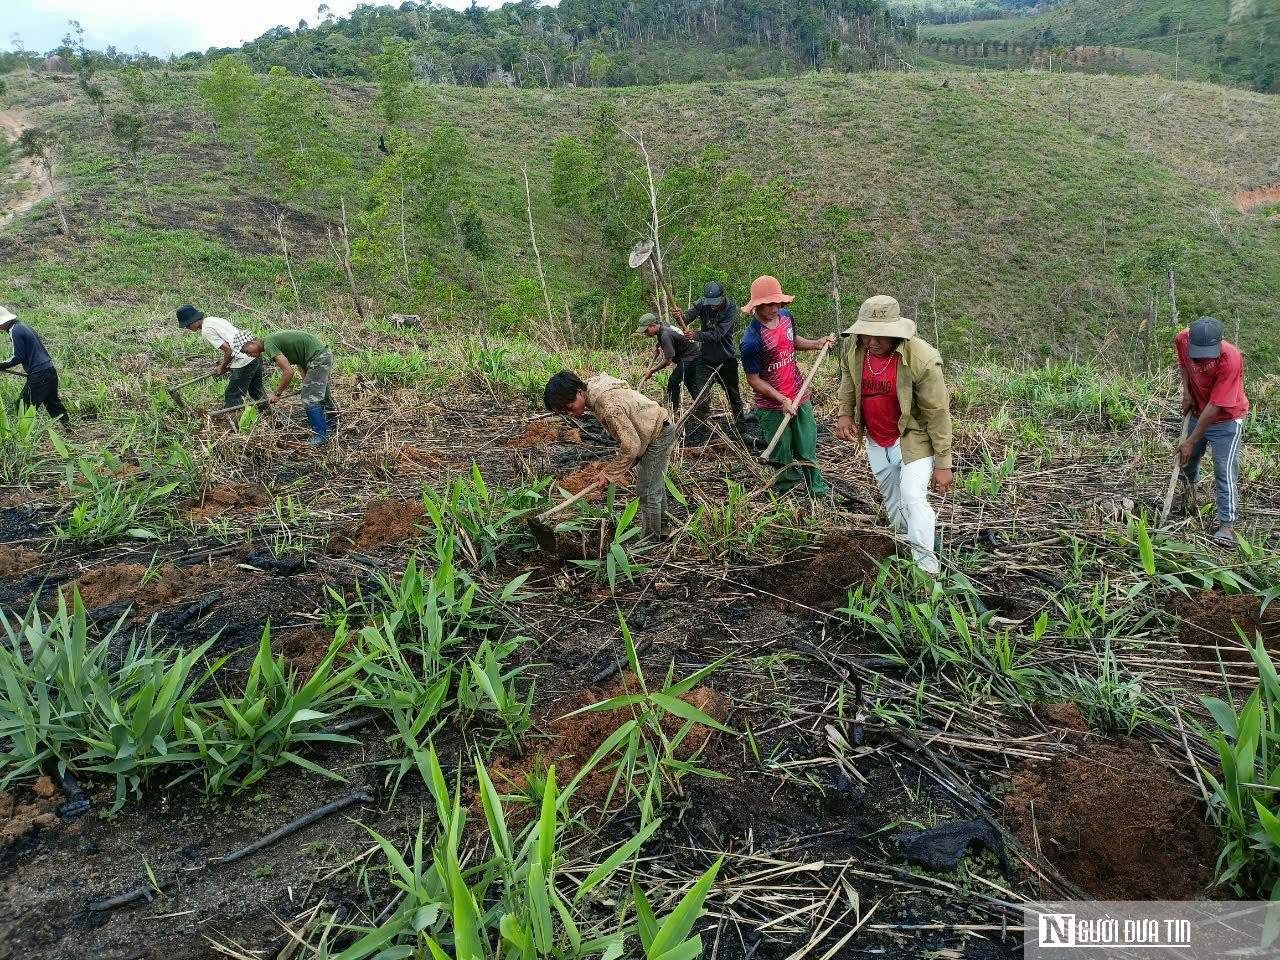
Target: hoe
173	391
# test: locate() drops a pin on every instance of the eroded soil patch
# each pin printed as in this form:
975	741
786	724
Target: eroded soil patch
17	561
844	559
1116	821
1209	620
227	498
122	582
583	477
389	521
304	649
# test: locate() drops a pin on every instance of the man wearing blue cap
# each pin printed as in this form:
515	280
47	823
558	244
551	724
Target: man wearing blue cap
246	371
719	357
1213	396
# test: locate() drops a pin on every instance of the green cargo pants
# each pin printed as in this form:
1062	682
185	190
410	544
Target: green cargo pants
798	442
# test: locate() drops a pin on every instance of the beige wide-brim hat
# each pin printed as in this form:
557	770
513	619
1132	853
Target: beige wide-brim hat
882	317
6	316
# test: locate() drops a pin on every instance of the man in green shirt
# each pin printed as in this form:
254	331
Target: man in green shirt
298	349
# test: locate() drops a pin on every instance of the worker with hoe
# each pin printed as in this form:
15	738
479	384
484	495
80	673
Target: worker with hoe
718	316
41	388
769	346
643	429
1213	396
893	398
246	371
298	350
674	350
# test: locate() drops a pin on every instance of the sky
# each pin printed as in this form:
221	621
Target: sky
161	27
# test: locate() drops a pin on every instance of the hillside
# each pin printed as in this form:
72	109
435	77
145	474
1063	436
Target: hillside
1231	39
1003	206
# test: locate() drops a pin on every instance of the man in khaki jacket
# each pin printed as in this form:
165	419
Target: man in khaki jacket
644	432
893	395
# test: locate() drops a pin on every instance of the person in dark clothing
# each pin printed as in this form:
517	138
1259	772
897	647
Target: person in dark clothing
41	389
719	358
678	352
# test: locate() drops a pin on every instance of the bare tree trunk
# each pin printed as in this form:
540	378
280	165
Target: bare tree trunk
346	262
288	265
537	257
404	247
57	200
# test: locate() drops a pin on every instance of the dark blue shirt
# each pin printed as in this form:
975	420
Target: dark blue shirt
27	350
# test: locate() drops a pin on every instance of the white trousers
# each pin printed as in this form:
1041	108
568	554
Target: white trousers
905	489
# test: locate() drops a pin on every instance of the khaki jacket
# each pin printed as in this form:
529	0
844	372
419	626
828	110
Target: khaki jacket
925	425
630	417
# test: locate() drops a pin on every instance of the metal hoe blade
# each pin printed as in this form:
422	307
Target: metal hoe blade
640	254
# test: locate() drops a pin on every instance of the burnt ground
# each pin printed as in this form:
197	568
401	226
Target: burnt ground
811	812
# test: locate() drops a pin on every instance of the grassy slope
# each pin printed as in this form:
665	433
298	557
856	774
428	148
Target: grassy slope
984	192
1136	24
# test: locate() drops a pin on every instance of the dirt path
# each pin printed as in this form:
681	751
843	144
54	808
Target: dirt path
35	187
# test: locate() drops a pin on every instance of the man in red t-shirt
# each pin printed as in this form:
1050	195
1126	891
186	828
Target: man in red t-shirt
894	399
1213	396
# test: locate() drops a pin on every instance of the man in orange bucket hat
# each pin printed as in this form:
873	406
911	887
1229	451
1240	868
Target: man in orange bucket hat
769	346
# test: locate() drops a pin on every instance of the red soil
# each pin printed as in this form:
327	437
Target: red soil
538	432
16	561
1116	821
389	521
844	560
122	581
1209	625
228	498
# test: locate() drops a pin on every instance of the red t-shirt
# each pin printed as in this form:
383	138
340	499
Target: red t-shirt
880	408
1219	381
772	355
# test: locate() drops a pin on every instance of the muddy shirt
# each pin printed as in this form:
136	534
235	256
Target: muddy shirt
771	354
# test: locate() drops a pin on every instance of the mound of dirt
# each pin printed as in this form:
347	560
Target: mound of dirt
843	560
29	810
389	521
580	479
303	649
573	740
1062	716
16	561
538	432
227	498
1116	821
1209	624
123	582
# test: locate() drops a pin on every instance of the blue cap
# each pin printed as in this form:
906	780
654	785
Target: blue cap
1205	339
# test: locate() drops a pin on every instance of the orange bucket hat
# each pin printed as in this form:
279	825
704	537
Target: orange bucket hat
765	290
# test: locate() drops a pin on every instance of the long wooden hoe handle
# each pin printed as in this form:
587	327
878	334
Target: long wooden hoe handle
596	485
15	373
1173	476
803	390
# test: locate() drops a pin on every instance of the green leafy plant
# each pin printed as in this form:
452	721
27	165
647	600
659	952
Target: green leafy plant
1245	803
1114	702
19	439
488	688
617	558
240	738
487	524
67	699
510	902
644	756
